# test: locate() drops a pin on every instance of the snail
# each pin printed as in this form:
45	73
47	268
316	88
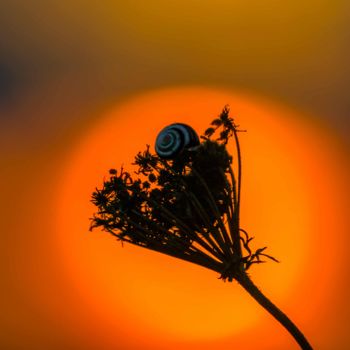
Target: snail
174	139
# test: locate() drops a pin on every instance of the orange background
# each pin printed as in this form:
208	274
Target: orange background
74	79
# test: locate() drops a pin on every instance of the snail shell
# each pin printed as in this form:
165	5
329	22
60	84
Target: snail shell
174	139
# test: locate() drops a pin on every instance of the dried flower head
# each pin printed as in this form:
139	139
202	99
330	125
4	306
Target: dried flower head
188	207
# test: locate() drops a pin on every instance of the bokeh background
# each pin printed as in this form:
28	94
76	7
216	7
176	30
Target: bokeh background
64	64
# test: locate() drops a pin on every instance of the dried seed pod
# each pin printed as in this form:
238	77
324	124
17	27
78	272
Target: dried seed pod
174	139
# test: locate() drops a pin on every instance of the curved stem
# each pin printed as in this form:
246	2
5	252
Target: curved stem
281	317
239	159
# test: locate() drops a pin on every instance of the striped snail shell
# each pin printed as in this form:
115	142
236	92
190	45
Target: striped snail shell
174	139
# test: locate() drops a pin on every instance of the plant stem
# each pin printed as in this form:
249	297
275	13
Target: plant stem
244	280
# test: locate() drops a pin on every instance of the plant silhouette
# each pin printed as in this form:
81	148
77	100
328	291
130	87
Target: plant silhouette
185	202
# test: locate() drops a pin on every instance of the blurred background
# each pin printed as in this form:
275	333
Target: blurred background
63	64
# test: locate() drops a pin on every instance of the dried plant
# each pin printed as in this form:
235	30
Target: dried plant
188	207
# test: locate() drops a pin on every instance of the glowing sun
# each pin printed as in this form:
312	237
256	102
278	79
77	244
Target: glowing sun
287	163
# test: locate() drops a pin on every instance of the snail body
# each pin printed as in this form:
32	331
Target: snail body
174	139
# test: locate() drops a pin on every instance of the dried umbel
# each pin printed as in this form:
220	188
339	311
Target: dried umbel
184	202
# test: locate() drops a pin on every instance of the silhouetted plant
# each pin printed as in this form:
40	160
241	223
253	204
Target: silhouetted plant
186	204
